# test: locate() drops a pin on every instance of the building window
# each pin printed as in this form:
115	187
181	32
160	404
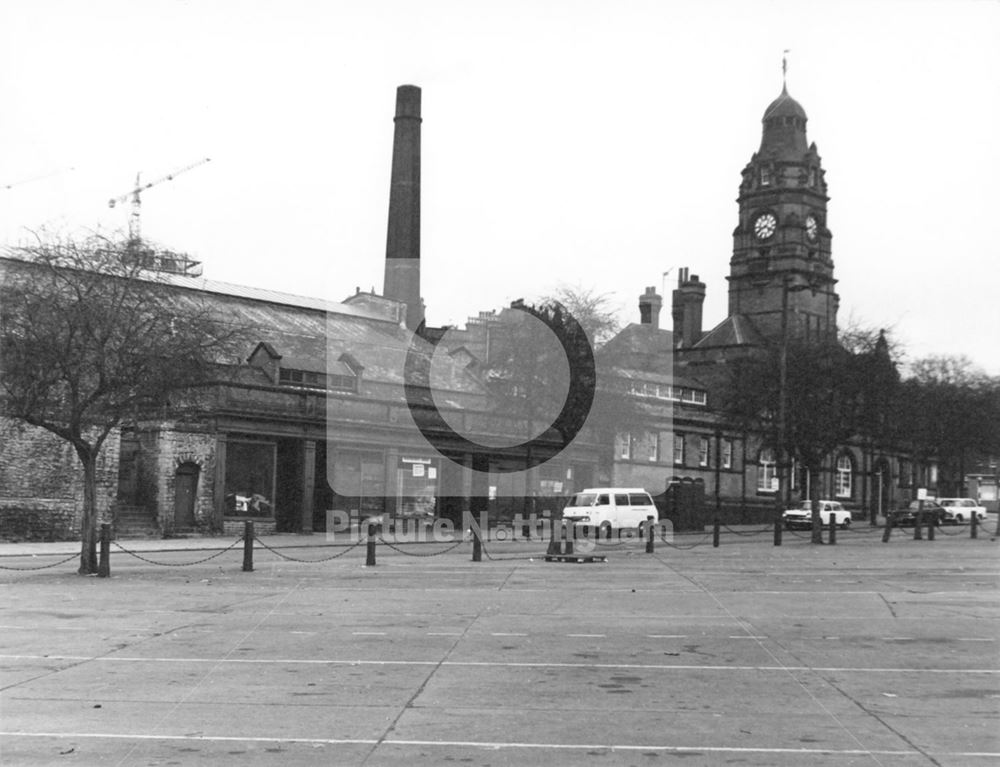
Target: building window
679	449
653	440
703	451
766	471
765	177
844	476
624	449
726	460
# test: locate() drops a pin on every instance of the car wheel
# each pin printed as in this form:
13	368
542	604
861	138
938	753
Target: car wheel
959	519
605	531
846	523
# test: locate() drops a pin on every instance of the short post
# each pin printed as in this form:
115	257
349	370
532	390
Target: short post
917	533
777	531
104	566
477	545
555	540
649	535
370	557
569	534
889	519
715	534
974	525
931	524
833	529
248	546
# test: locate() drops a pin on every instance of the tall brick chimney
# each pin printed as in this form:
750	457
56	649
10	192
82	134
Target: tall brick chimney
402	249
686	307
650	304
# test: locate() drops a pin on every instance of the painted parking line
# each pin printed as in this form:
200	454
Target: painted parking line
667	636
507	634
496	664
588	636
368	633
444	633
500	745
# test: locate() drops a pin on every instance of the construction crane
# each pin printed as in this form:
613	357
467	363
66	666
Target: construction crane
134	230
35	178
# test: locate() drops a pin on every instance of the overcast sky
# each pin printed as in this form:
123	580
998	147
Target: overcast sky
597	144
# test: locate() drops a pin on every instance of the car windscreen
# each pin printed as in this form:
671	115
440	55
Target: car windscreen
582	499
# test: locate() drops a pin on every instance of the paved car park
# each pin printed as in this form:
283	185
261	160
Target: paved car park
859	653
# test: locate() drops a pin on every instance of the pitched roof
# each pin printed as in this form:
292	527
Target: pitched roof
735	330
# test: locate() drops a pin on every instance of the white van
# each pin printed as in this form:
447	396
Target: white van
610	508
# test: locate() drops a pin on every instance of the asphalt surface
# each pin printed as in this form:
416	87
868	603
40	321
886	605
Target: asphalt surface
862	653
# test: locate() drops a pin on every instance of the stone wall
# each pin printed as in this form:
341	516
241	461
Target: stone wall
41	483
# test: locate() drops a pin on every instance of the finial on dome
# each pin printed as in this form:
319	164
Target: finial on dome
784	69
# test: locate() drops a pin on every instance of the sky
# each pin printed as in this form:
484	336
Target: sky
594	144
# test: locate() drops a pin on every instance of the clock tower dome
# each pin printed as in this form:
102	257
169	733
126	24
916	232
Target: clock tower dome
782	265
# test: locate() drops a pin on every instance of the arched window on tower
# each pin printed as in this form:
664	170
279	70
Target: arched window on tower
765	177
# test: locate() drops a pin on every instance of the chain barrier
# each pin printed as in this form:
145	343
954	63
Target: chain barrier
508	559
985	528
179	564
420	554
959	530
687	547
41	567
748	532
276	552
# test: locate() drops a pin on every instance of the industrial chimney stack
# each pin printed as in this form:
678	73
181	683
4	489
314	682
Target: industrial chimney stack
402	250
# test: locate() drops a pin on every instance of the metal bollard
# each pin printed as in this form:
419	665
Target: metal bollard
715	534
917	532
569	535
974	525
931	524
889	518
104	565
833	529
777	531
477	545
370	557
649	535
248	546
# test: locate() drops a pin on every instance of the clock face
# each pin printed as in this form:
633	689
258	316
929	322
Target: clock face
811	228
765	225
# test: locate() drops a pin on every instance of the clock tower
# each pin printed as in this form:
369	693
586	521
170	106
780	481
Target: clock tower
782	266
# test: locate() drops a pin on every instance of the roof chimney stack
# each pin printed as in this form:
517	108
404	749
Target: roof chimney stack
650	304
402	250
686	309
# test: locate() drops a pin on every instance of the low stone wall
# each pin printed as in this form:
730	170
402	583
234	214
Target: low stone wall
235	527
39	521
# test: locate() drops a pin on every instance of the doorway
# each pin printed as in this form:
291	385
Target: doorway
185	493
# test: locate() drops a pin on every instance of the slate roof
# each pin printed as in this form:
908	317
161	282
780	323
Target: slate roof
735	330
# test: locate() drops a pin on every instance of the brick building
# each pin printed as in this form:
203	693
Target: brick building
319	416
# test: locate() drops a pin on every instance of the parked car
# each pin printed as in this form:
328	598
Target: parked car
802	515
933	511
610	508
959	511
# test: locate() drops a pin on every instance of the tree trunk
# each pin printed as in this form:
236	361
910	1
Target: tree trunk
88	523
817	520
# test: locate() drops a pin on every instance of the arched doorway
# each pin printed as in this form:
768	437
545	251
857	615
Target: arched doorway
185	493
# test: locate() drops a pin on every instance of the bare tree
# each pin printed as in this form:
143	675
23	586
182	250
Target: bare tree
952	415
828	395
89	341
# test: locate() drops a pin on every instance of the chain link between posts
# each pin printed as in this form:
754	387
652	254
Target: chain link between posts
41	567
276	552
394	547
180	564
